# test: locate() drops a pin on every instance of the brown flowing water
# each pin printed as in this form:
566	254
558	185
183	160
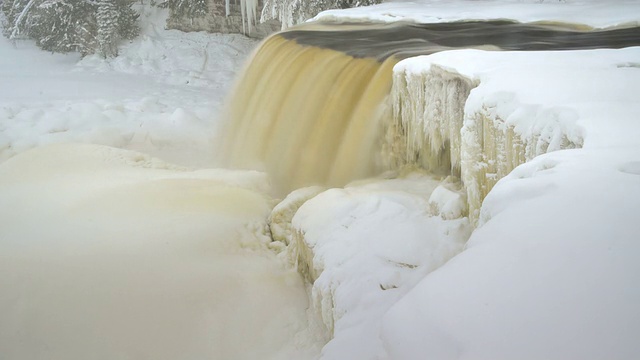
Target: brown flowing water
312	105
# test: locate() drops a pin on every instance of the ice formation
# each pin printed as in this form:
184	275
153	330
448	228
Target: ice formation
433	126
285	236
427	114
249	11
365	246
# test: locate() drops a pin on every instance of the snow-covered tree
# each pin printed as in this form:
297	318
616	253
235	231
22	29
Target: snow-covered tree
14	13
187	8
127	20
107	20
85	26
60	26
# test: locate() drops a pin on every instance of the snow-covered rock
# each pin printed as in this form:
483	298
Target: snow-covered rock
365	246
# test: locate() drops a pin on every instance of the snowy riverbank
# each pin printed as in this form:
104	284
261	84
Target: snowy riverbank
162	95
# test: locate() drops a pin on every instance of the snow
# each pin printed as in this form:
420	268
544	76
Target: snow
370	243
551	273
593	13
160	96
110	253
447	203
508	118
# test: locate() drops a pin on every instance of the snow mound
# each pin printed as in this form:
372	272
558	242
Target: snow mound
448	203
550	274
365	246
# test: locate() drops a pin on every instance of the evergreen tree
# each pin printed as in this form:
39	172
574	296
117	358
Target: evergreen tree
85	26
127	20
107	20
63	26
14	12
187	8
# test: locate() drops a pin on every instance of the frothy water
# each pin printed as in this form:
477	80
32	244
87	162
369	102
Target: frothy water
110	254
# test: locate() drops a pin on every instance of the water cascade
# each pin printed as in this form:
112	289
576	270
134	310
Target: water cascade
310	114
320	104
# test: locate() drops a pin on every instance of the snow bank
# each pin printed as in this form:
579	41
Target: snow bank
365	246
111	254
551	273
161	95
593	13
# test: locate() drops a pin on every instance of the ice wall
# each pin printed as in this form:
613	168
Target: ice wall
427	112
492	147
441	124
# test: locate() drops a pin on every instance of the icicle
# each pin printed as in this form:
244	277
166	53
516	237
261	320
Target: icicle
227	7
427	110
249	11
430	128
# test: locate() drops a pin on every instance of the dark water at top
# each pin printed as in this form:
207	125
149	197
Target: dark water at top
405	40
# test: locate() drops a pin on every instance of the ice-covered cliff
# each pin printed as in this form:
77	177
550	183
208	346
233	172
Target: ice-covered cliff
440	123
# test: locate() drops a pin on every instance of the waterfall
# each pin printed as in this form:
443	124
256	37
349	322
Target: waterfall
308	115
326	104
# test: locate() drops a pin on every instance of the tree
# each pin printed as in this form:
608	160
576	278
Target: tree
85	26
61	26
107	20
187	8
